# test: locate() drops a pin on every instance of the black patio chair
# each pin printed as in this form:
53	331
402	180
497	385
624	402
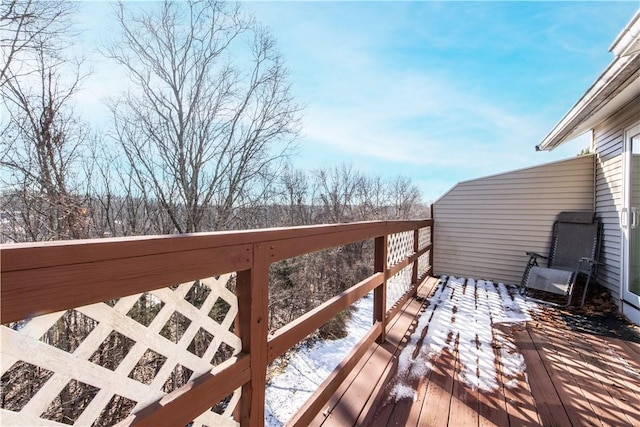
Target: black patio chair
574	250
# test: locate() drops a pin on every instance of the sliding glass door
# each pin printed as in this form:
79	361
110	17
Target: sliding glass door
631	219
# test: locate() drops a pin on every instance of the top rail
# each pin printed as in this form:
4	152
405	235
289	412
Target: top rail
45	277
68	252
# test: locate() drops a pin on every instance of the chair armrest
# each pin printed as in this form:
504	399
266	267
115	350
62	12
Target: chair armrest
535	255
533	260
586	265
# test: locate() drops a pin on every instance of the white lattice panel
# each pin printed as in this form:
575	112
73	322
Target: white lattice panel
423	264
424	237
187	332
398	285
399	247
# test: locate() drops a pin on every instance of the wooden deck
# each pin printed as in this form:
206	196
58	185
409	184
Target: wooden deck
571	379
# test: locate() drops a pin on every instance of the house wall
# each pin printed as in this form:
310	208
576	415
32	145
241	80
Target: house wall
484	227
608	141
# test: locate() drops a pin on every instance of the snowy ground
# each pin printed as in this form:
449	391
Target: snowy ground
306	370
465	309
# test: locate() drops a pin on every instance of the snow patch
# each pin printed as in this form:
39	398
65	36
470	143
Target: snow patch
402	391
462	315
305	371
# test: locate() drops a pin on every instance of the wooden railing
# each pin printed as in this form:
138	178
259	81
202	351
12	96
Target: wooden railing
43	281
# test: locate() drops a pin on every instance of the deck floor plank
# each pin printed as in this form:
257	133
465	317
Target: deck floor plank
463	410
546	398
353	401
513	401
630	351
406	411
633	349
571	378
608	378
576	381
372	413
624	384
569	393
435	408
512	404
521	407
492	410
413	416
346	385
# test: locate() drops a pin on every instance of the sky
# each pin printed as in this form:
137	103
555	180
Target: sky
439	92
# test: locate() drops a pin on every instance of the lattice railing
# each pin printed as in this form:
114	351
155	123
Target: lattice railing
398	285
400	246
425	260
96	364
424	237
424	264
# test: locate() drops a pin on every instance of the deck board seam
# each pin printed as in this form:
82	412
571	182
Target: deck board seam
603	385
335	402
371	401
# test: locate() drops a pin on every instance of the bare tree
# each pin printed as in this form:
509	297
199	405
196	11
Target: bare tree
24	24
41	146
404	197
373	196
116	204
337	192
296	198
204	119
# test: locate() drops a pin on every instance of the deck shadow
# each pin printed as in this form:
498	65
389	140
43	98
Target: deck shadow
609	325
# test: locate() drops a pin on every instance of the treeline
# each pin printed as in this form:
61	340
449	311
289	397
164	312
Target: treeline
295	197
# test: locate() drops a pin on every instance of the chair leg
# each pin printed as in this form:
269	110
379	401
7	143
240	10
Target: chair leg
586	286
523	283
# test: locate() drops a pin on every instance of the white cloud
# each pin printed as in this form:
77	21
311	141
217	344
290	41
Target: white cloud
418	114
394	115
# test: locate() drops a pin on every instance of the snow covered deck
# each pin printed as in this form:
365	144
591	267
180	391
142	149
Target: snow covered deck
474	353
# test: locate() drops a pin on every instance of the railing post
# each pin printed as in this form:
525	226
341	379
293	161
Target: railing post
416	248
432	240
252	288
380	293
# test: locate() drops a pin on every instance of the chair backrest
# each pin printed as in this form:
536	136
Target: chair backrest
575	235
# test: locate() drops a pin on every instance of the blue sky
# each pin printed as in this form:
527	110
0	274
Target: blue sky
440	92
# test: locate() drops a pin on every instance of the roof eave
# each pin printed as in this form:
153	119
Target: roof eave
615	86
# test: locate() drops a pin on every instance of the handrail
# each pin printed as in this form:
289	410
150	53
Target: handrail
40	278
289	335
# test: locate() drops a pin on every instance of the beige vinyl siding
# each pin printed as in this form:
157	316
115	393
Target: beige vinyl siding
608	144
484	227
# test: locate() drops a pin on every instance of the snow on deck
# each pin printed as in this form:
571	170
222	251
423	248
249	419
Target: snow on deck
461	314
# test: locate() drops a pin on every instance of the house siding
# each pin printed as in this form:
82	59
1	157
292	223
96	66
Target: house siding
484	227
608	141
